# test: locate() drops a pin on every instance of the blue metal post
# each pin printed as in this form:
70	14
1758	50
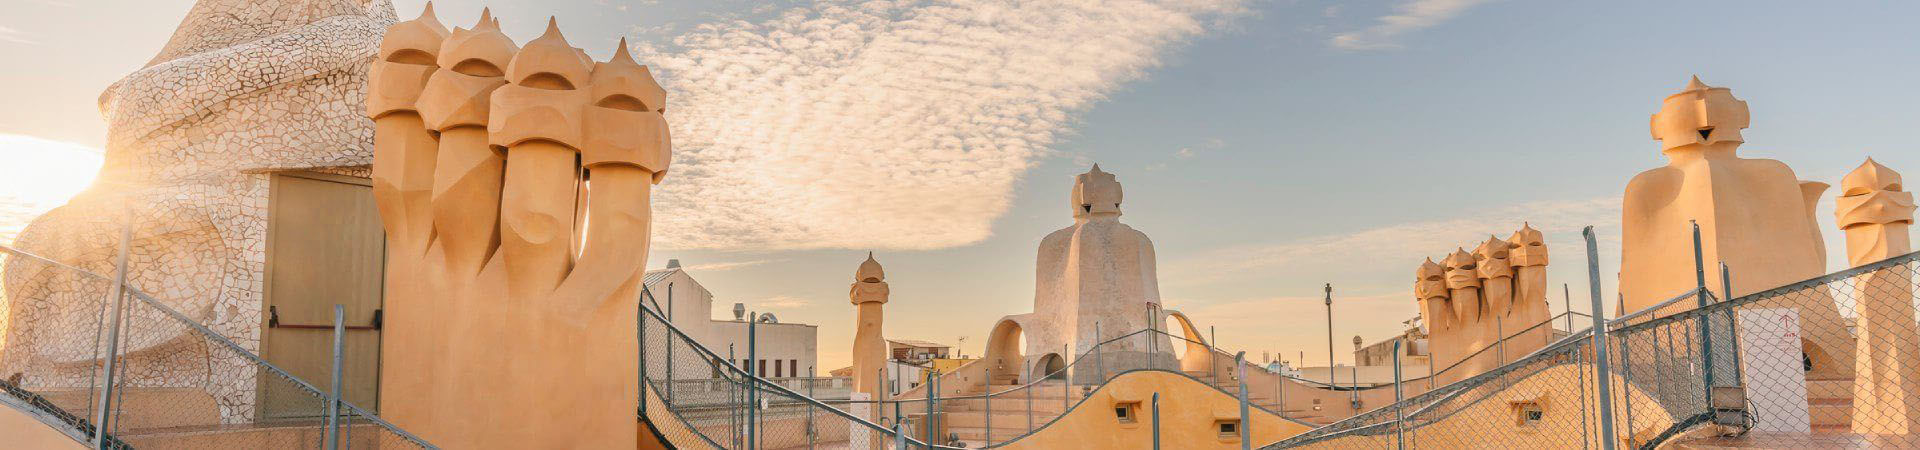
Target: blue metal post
1602	379
103	413
1246	436
1399	409
1706	322
1156	421
333	390
753	383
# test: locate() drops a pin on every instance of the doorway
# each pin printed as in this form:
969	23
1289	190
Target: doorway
325	246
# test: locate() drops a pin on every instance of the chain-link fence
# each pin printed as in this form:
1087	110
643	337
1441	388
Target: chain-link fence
695	398
169	381
1828	361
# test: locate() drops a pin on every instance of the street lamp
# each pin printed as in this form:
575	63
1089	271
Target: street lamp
1330	380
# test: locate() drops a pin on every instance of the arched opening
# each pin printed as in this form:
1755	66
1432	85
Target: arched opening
1004	354
1177	333
1051	367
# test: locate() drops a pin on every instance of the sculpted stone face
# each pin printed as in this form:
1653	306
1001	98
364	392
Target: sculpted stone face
1699	114
1462	270
1491	259
1095	193
1873	194
1529	247
1430	281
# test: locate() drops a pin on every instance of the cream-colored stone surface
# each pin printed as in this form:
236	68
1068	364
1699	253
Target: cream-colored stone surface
1097	271
869	294
243	88
1875	211
513	327
1754	216
24	432
1477	299
1190	414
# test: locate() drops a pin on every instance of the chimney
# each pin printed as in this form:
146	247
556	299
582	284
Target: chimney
673	263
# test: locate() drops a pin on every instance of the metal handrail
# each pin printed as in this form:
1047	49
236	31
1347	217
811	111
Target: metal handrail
222	340
1495	345
1434	398
1690	293
750	377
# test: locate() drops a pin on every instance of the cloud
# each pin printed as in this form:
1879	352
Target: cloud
1409	16
661	29
888	124
16	36
1404	244
730	265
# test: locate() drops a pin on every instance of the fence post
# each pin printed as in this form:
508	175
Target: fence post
733	414
989	416
118	296
1706	325
1246	436
1066	382
933	402
1153	348
1399	408
753	383
1280	391
1726	289
810	382
669	363
333	390
641	329
1156	421
1566	298
1601	378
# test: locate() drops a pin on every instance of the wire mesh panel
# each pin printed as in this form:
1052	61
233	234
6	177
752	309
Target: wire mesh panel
175	383
695	398
57	358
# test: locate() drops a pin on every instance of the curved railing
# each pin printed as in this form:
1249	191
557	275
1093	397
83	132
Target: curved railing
175	381
694	398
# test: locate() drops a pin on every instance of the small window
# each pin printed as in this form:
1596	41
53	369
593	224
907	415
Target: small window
1528	414
1228	428
1127	412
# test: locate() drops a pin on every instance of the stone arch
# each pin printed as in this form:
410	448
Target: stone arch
1050	366
1003	353
1195	354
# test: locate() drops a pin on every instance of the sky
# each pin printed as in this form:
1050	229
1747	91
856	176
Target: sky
1267	147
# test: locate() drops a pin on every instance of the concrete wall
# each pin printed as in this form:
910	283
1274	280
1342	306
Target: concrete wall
789	343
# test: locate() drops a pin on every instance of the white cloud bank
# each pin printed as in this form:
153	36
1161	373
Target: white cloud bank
1408	16
888	124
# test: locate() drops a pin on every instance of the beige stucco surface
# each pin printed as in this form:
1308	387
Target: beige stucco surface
1875	212
20	431
1094	280
1754	216
1477	299
1189	413
512	327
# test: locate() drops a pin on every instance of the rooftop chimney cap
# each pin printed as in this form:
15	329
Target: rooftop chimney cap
673	263
739	311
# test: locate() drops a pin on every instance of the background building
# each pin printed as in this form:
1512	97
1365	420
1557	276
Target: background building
786	350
